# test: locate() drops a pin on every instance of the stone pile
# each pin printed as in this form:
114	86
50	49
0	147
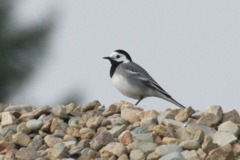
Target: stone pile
120	132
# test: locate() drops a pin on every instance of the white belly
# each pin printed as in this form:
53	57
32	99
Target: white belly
125	87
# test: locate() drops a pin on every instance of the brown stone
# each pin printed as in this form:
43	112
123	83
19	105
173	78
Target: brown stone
221	153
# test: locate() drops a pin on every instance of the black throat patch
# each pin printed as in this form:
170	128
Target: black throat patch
114	67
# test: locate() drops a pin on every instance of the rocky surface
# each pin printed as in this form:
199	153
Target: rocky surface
120	132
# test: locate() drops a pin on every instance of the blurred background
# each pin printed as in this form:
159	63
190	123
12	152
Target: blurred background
51	50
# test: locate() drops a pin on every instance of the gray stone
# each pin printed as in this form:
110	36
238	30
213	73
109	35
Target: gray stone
21	139
101	140
19	108
8	119
36	143
59	111
224	138
94	122
114	148
130	115
232	115
162	130
173	156
192	127
190	145
41	110
208	144
167	149
145	137
117	130
229	126
172	123
221	153
148	121
112	109
27	154
152	114
90	106
212	116
51	140
26	117
125	137
87	133
184	114
137	155
88	153
146	147
34	124
60	150
190	155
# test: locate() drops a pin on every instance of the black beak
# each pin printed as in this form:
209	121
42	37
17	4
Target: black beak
109	58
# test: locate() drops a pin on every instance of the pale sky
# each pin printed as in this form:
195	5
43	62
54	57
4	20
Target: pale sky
191	48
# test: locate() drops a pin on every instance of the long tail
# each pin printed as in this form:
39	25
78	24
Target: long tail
170	99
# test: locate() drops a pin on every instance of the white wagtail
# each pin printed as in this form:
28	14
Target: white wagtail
133	81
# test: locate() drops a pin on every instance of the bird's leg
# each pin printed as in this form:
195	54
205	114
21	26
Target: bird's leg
139	101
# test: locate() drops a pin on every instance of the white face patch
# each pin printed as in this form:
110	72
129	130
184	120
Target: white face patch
118	57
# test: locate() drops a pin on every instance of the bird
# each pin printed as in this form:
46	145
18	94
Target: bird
133	81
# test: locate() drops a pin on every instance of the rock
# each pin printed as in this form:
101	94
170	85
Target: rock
190	155
198	135
167	149
101	140
112	109
51	140
19	108
146	147
125	138
208	144
190	145
145	137
47	121
34	124
21	139
87	133
59	111
192	128
172	123
73	131
36	143
162	130
114	148
23	128
182	134
137	155
60	150
221	153
212	116
27	154
184	114
7	119
117	130
201	153
153	114
148	122
56	124
41	110
84	143
170	140
232	115
236	149
223	138
94	122
229	126
88	153
26	117
90	106
162	116
130	115
123	157
173	156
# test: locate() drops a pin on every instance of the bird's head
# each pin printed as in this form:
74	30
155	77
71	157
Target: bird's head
119	56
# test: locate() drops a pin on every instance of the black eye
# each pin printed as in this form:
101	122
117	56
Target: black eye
118	56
